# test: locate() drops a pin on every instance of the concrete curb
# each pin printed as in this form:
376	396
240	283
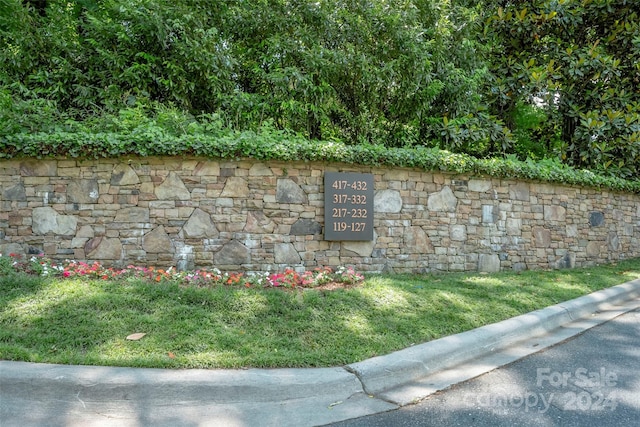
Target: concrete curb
383	373
99	383
61	395
94	395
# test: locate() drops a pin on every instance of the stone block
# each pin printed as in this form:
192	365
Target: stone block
364	249
232	253
158	241
225	202
288	191
124	174
305	227
200	225
172	188
83	191
596	219
458	233
514	226
286	253
387	201
260	169
46	220
207	168
519	191
479	185
488	263
12	248
132	215
15	193
442	201
613	242
79	242
35	180
568	260
542	237
39	168
555	213
490	214
235	187
416	240
103	248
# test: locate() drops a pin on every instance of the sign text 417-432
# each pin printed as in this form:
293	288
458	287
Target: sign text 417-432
348	206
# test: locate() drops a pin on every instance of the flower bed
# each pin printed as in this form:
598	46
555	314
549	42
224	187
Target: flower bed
289	279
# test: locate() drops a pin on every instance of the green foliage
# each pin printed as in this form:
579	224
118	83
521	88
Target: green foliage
531	78
358	71
92	55
528	122
579	60
478	135
6	266
207	136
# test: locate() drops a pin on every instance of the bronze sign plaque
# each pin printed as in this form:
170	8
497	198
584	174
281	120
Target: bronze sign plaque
348	206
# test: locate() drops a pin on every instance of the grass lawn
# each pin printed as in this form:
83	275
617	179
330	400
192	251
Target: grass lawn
74	321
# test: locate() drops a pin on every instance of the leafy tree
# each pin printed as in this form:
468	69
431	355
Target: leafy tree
90	55
578	60
534	78
359	70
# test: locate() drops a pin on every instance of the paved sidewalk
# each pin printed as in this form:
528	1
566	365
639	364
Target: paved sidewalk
56	395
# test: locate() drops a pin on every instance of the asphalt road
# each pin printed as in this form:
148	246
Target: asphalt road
592	379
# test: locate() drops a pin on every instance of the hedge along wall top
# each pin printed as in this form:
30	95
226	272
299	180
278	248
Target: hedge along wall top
248	215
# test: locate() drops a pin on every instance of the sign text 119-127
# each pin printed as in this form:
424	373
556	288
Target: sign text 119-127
348	206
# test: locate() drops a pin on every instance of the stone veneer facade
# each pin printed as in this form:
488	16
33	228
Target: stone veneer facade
248	215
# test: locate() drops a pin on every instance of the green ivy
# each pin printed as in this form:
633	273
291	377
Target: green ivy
269	143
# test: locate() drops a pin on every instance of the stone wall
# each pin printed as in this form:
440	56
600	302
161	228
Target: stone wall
252	216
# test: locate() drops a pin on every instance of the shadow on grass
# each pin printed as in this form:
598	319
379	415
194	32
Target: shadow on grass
87	322
590	379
